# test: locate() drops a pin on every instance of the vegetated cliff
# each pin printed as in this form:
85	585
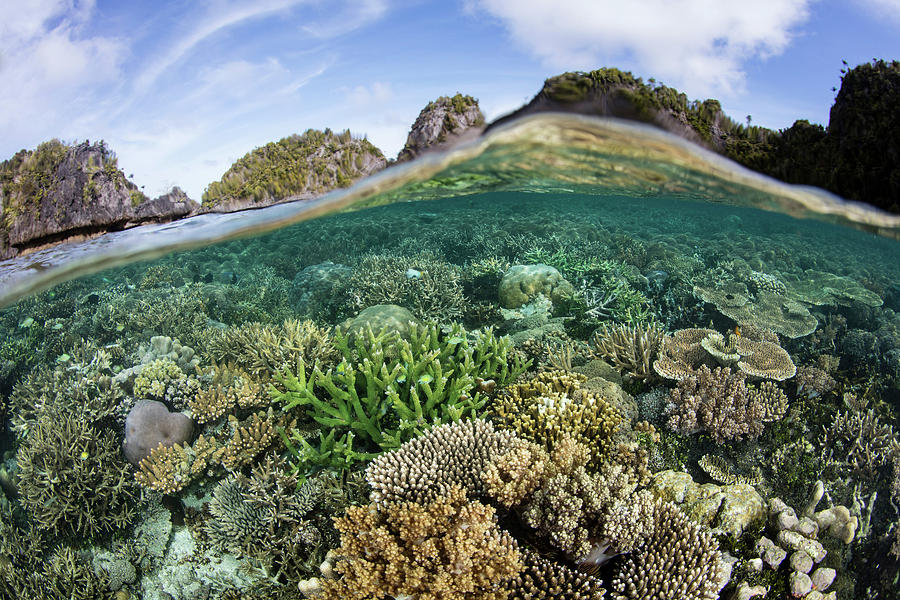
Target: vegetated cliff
60	191
295	167
857	156
441	122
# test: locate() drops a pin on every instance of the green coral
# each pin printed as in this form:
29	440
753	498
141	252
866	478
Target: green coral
386	390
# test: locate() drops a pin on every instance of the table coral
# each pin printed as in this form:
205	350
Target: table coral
448	549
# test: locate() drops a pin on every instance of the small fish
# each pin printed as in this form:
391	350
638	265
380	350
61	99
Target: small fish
341	369
413	274
456	340
58	326
84	455
63	358
28	322
120	326
426	378
401	379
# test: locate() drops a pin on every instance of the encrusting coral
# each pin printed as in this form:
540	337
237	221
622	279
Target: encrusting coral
448	548
719	402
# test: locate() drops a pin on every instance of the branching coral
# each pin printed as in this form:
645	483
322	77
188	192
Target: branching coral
265	349
552	405
857	441
721	403
72	478
452	455
387	390
629	348
542	579
448	548
677	560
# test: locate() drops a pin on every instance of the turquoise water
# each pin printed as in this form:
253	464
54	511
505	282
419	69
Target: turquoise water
653	343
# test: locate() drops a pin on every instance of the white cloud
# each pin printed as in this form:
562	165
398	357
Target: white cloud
352	16
697	45
884	8
366	96
48	62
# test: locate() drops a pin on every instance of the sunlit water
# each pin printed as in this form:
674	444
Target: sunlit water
646	228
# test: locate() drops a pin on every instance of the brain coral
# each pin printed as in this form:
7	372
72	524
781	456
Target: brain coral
150	424
522	284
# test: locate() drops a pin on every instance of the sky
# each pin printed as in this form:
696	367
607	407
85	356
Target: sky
180	90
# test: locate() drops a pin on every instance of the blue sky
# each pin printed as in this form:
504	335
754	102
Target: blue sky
182	89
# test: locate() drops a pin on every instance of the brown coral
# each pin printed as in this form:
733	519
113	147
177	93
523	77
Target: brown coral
720	402
447	549
251	438
542	579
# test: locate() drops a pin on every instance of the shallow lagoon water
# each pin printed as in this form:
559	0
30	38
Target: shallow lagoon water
638	233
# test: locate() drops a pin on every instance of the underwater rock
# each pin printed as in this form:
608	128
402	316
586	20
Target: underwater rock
150	424
522	283
387	317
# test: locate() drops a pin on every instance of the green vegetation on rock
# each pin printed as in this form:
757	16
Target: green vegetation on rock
308	164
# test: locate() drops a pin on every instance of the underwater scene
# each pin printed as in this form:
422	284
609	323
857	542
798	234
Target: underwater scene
576	360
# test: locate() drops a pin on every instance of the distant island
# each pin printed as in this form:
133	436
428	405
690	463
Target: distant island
59	192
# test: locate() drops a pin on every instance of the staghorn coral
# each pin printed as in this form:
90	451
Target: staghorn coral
677	560
719	402
447	549
388	390
263	349
857	441
451	455
542	579
425	284
553	405
65	467
629	348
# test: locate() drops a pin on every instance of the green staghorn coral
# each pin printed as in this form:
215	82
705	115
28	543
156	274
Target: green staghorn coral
386	390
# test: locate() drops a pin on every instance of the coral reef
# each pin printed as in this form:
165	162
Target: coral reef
857	442
447	548
542	579
767	309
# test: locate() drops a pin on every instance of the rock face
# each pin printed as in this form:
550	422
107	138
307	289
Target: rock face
57	191
442	122
294	168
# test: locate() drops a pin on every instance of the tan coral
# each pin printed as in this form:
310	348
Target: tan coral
764	360
447	549
628	348
510	478
681	352
166	470
688	349
250	438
